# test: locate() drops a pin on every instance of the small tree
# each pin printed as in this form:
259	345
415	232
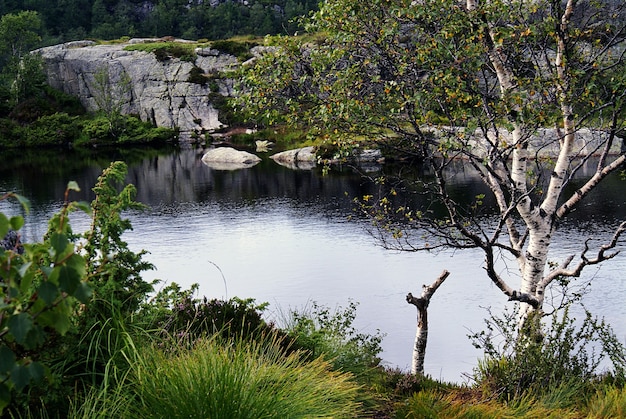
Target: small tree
111	95
525	92
21	73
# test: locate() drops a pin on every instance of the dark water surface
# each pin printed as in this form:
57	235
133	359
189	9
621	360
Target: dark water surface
283	236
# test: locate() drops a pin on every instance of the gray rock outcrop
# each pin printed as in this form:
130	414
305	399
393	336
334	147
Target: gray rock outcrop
159	91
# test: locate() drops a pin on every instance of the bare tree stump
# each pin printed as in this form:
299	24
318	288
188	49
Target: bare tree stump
421	334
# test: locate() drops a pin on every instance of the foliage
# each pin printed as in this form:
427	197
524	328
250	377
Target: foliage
164	51
113	269
540	361
191	319
524	94
41	284
129	130
238	380
46	102
99	333
196	75
332	335
241	50
20	72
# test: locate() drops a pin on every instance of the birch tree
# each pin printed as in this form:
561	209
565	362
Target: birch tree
524	92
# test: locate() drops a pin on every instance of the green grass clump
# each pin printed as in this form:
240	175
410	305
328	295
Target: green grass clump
238	380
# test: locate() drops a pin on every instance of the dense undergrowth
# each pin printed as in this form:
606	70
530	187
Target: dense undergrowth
118	349
51	118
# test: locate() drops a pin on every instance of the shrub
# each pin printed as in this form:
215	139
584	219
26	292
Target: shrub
196	75
333	335
539	361
241	50
129	130
164	51
52	130
41	286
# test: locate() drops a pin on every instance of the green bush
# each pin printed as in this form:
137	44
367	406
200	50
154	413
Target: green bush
128	130
52	130
42	284
164	51
542	359
332	335
239	49
196	75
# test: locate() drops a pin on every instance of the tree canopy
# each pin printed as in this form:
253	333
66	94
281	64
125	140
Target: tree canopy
111	19
526	93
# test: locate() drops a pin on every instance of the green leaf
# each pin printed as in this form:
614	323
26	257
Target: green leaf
58	319
83	206
37	371
4	225
19	326
7	359
59	243
48	292
23	270
5	396
23	201
73	186
68	279
83	292
20	377
17	222
27	279
77	263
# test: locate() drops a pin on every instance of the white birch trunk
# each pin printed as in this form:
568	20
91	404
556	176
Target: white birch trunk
421	333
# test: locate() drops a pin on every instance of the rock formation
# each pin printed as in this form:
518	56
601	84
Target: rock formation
228	158
158	90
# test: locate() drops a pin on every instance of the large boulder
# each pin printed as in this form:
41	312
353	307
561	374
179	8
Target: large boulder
228	158
299	158
159	91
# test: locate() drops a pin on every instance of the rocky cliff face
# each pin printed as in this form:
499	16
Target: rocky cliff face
159	91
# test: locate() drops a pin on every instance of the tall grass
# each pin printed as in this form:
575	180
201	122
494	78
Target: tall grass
235	380
610	402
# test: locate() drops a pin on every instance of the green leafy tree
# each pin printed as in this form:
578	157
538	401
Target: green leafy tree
20	73
524	92
111	96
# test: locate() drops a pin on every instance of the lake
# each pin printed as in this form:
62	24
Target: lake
287	237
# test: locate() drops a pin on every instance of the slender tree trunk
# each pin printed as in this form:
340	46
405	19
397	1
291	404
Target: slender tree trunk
421	334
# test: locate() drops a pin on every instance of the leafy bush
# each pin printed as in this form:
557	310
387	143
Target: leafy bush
164	51
55	129
540	360
333	335
40	286
239	49
129	130
196	75
92	344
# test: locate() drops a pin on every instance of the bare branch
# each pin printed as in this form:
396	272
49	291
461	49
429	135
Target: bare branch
601	256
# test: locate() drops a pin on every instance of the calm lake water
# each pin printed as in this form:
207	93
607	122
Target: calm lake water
284	236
